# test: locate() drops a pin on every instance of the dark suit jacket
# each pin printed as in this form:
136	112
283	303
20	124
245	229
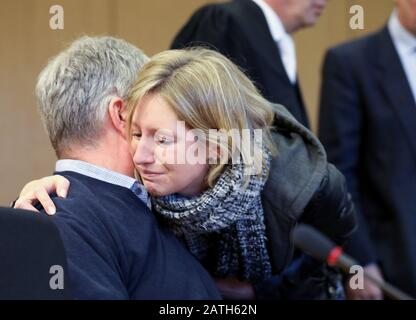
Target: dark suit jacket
239	30
31	252
368	126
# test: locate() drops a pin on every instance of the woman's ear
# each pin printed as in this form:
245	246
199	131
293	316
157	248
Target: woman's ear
213	154
118	115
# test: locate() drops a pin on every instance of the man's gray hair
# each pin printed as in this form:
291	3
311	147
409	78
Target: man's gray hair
75	88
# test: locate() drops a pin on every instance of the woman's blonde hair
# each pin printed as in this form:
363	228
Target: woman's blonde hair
207	91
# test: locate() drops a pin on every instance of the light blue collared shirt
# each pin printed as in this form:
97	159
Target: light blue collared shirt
405	44
104	175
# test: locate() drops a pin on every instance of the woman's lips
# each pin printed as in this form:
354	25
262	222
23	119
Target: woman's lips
149	174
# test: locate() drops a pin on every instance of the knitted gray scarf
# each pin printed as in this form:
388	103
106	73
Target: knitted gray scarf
224	226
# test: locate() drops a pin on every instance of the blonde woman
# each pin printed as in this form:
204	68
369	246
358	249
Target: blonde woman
233	207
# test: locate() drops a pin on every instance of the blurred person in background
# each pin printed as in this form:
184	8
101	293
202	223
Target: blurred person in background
368	127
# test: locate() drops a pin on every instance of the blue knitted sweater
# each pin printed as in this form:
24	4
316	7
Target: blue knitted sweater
116	249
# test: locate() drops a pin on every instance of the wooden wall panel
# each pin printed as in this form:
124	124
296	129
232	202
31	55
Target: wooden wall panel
152	25
27	43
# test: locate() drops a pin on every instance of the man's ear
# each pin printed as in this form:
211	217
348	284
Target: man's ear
118	114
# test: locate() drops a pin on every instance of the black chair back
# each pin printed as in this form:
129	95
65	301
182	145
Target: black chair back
32	257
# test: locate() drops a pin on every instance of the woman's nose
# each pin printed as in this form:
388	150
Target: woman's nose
144	153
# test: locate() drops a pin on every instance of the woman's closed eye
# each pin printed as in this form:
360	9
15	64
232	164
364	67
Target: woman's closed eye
164	139
136	135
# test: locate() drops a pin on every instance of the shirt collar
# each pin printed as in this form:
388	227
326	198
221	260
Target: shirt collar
276	27
105	175
403	39
95	172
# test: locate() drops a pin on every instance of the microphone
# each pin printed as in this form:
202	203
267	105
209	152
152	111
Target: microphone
315	244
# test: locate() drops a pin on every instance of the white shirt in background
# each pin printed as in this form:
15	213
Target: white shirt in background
283	40
405	44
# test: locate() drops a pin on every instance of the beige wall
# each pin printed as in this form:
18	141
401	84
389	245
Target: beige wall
27	42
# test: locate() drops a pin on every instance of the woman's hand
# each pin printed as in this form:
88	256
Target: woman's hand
234	289
38	191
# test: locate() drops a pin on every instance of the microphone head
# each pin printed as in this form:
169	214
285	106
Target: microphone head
312	242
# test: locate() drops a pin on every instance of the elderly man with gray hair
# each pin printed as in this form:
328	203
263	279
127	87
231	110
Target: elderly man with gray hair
115	248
